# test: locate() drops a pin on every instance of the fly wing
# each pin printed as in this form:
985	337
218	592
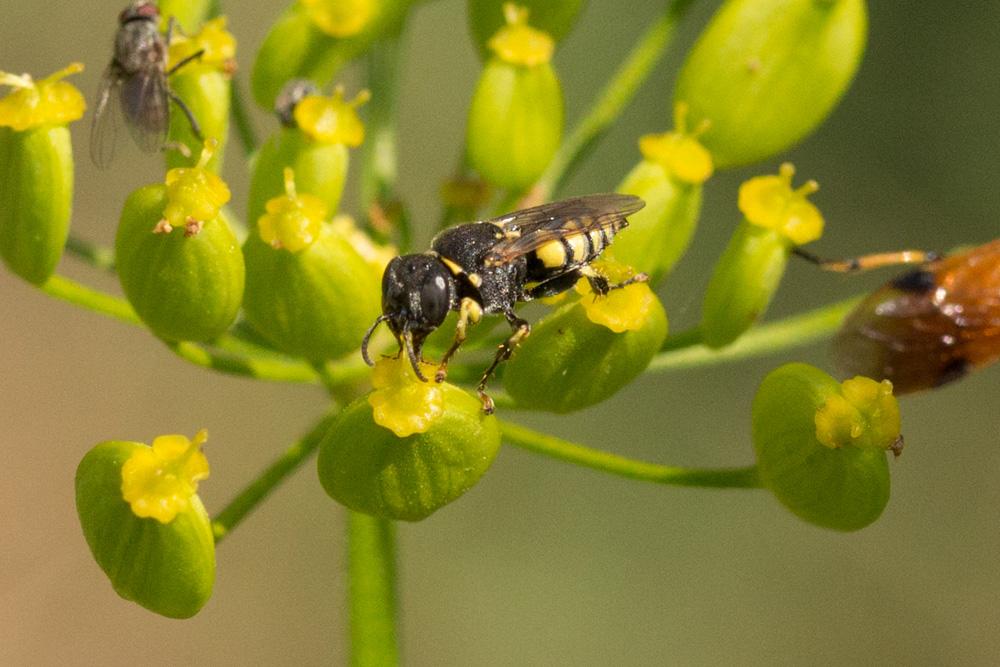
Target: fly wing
145	102
531	228
104	122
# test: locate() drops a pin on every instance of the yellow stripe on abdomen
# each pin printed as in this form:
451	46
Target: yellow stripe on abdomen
552	255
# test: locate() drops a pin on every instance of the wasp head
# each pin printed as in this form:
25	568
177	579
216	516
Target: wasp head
417	293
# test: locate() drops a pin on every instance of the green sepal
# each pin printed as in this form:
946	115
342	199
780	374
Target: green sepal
569	363
845	488
658	235
555	17
206	92
320	170
183	288
316	303
369	469
766	73
166	568
515	123
744	280
36	197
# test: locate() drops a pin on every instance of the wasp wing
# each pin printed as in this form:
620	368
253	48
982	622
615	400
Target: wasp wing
531	228
145	102
104	122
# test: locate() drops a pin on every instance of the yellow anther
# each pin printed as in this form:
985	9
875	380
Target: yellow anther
340	18
50	101
293	221
401	402
332	120
518	43
194	194
159	481
770	202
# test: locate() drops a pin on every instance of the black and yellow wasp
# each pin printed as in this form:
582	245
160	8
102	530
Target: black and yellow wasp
488	267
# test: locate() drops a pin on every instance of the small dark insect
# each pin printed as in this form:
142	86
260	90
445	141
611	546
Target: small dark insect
291	94
929	326
137	75
488	267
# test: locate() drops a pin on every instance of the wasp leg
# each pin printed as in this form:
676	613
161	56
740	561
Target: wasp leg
868	262
469	311
520	330
600	284
195	128
552	286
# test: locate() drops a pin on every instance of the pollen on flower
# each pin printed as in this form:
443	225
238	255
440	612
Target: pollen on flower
770	202
159	481
293	221
332	120
620	310
340	18
194	194
518	43
863	414
217	44
50	101
401	402
679	151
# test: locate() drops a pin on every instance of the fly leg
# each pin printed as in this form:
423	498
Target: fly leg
520	330
469	312
868	262
195	128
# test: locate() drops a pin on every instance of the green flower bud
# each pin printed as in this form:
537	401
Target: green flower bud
587	350
777	219
767	72
556	17
144	523
313	39
669	179
408	448
204	85
308	291
315	148
516	116
178	260
188	15
821	444
36	171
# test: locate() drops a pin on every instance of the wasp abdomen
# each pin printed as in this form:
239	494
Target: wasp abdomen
576	248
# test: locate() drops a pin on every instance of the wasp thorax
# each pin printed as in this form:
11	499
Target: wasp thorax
417	293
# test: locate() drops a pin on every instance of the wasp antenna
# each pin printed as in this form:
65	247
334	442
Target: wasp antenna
412	354
368	335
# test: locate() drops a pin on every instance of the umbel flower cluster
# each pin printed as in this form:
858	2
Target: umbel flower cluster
287	291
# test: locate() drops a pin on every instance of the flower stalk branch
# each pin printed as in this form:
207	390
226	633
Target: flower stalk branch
372	590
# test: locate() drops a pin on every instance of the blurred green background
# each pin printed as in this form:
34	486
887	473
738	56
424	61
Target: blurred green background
541	563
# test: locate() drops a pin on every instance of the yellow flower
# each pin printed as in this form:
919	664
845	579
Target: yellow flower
863	414
679	151
377	256
620	310
332	120
401	402
159	481
194	194
770	202
518	43
50	101
293	221
217	43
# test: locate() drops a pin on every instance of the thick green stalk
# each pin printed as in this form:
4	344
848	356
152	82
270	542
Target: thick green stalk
96	255
70	291
616	95
563	450
372	591
684	350
261	487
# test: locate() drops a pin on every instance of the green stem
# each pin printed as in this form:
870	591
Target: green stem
616	95
791	332
372	590
70	291
241	118
267	481
96	255
271	368
563	450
